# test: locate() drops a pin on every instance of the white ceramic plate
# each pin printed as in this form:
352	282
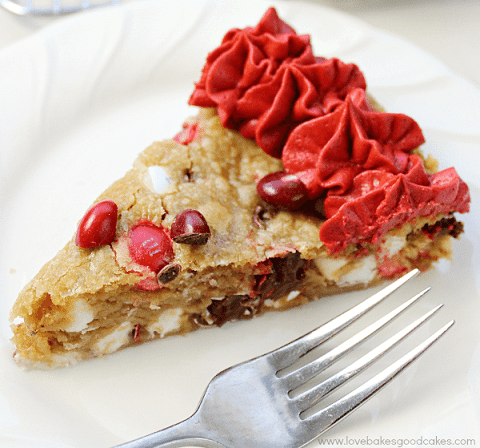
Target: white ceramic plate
80	99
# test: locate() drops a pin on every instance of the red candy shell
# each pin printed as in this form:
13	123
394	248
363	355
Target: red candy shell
98	226
150	246
282	189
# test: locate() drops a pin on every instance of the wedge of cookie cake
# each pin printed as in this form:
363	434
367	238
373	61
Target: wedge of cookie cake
289	184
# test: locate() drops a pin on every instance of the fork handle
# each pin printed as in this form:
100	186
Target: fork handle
187	433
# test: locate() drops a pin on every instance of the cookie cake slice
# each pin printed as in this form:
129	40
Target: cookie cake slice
289	184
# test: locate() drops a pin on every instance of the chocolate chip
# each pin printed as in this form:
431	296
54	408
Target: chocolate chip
168	273
230	308
286	275
188	175
262	215
445	226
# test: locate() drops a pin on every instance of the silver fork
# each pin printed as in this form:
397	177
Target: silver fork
57	7
254	404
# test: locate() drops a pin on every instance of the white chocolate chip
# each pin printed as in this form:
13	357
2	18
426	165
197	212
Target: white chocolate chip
292	295
329	266
168	321
394	244
359	271
363	271
119	337
82	314
159	178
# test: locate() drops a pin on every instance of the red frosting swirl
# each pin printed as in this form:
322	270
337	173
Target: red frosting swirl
360	161
380	201
313	113
328	152
265	80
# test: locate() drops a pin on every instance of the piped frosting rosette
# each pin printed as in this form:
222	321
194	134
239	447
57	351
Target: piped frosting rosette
313	113
265	80
361	162
328	152
380	201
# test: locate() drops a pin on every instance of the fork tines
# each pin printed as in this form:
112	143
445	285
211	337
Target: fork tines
287	358
335	412
277	399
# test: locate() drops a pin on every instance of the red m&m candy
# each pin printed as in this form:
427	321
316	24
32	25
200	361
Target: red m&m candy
282	189
150	246
98	226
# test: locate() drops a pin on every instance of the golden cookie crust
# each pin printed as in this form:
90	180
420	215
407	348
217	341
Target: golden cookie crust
90	302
